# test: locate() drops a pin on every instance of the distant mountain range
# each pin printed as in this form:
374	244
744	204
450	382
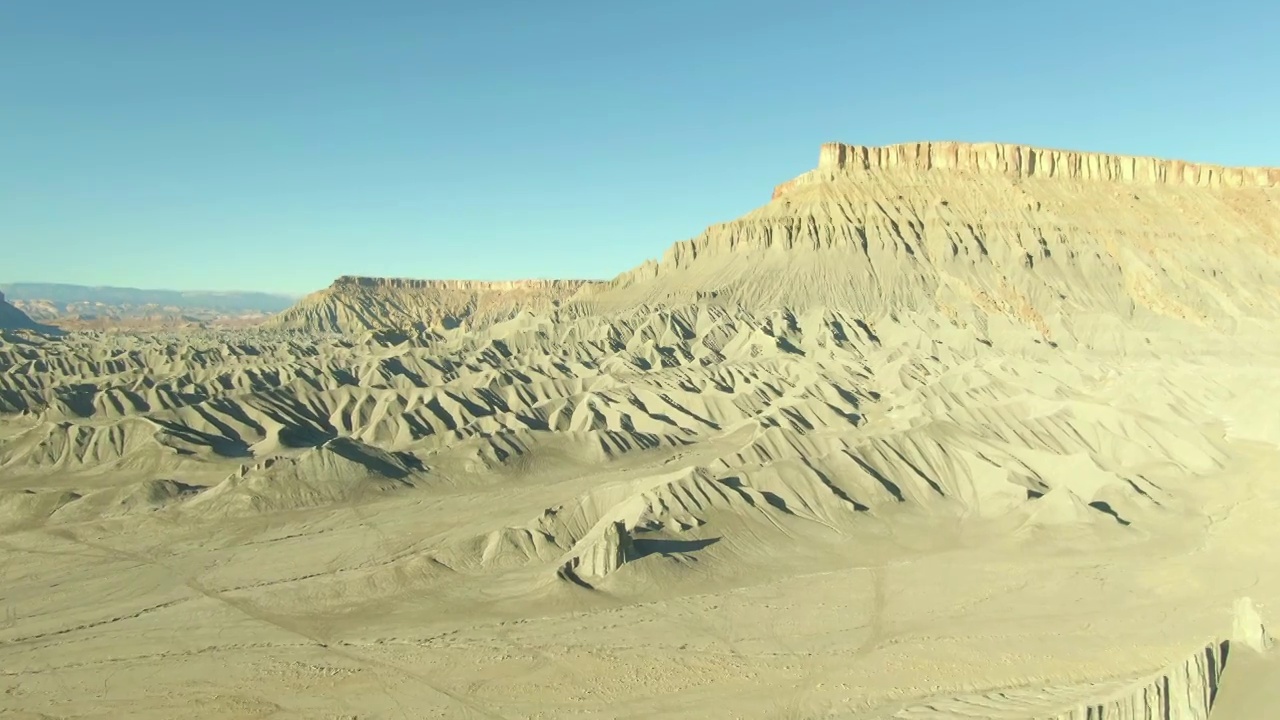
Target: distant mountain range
79	306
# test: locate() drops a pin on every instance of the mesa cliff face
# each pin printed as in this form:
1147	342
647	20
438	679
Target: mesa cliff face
1041	238
354	304
353	282
1046	240
1029	162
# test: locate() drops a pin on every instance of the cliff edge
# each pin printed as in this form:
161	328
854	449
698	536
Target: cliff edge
1025	161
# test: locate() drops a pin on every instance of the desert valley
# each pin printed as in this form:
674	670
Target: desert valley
941	430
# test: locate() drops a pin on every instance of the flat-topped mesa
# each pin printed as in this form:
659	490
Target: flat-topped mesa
355	303
1028	162
354	281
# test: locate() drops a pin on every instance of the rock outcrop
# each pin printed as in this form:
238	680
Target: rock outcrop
1185	690
80	307
1022	161
604	550
471	286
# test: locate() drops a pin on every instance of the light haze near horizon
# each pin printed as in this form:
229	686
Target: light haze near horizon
273	147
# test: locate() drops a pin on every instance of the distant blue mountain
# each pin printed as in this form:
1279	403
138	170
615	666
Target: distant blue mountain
225	302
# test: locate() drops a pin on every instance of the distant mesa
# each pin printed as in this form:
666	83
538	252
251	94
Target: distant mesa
355	304
62	294
605	549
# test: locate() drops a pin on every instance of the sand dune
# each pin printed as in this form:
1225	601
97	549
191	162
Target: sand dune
940	431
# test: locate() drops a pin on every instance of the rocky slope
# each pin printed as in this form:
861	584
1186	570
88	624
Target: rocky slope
354	304
1050	240
941	431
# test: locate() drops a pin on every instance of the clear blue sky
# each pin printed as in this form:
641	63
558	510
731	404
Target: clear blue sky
274	145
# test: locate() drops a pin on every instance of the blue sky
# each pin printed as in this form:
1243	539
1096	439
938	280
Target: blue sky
276	145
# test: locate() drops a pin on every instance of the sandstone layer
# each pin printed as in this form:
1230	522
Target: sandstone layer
80	307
